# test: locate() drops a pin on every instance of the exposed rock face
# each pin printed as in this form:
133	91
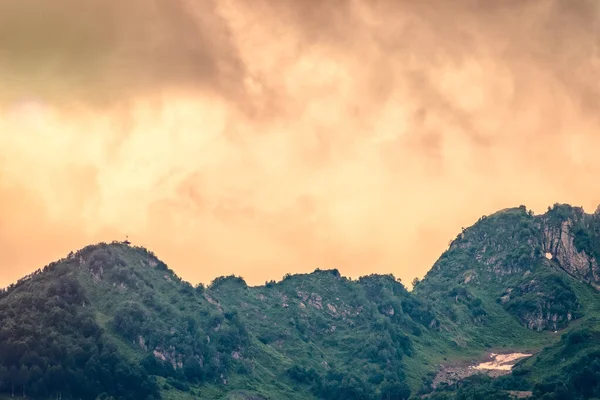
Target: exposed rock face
213	302
559	242
538	321
547	304
316	301
332	308
170	356
142	342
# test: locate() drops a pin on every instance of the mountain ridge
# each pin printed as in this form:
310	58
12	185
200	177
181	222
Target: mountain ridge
134	320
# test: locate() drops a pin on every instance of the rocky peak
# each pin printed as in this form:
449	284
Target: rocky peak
523	262
512	240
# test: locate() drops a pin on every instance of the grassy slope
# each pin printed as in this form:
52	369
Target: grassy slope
290	330
556	353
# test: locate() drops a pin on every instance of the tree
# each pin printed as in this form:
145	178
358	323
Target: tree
13	375
193	370
23	378
55	377
415	282
4	376
394	390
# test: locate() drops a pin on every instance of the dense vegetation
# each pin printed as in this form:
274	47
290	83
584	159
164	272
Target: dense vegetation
51	345
113	321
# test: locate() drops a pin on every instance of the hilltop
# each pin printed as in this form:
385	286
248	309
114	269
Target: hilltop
114	320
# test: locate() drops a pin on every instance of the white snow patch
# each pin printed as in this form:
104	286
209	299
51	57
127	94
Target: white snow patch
502	362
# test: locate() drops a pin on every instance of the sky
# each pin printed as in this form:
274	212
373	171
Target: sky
263	137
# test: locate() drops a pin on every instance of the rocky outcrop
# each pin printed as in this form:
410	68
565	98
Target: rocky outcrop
539	321
559	242
170	355
544	304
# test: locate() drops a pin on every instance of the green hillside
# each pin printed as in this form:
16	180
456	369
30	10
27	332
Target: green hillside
112	320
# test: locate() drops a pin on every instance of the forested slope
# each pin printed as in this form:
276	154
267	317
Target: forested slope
112	320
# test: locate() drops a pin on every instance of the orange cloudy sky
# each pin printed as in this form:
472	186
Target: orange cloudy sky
271	136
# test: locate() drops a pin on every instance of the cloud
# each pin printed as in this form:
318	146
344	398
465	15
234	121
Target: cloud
105	52
260	138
